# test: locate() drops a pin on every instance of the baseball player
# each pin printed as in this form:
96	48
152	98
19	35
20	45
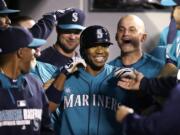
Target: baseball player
23	104
90	95
130	37
157	122
42	29
68	32
169	42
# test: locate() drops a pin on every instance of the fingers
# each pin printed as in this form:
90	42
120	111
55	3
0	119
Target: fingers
79	62
125	73
125	83
122	112
73	65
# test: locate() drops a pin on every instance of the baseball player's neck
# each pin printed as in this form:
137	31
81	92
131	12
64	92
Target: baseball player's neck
93	71
130	58
10	71
61	51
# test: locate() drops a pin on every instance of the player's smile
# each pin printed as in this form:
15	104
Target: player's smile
126	40
98	55
100	59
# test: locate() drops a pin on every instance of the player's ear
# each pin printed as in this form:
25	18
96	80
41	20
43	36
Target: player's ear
20	53
144	37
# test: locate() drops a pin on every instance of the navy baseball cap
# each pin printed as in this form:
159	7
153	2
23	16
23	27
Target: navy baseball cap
14	38
72	20
4	9
170	2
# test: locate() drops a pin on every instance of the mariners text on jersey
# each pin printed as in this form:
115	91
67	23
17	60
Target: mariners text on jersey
85	100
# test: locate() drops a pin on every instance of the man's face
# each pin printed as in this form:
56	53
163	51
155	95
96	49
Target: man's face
27	59
4	21
97	56
69	39
130	35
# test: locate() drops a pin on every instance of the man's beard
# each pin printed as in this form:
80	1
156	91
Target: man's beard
66	49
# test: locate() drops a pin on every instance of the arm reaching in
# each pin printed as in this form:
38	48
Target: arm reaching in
132	82
55	90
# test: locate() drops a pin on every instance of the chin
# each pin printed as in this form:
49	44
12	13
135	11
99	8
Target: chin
97	67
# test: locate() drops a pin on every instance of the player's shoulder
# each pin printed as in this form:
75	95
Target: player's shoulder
48	50
153	60
32	81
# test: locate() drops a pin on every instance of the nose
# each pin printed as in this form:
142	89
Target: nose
99	49
8	21
126	32
73	36
4	21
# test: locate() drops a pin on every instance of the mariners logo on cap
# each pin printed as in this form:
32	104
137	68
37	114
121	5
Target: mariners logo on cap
75	17
99	33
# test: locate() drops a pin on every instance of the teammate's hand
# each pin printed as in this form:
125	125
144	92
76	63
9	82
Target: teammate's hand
122	112
125	73
59	13
62	12
73	65
131	84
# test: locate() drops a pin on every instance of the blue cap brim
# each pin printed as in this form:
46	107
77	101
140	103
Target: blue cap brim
71	26
168	3
37	43
8	11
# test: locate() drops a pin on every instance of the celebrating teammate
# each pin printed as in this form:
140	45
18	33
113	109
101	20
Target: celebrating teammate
68	31
130	37
23	104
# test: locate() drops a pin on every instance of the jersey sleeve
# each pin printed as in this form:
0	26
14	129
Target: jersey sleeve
43	28
158	86
163	37
156	124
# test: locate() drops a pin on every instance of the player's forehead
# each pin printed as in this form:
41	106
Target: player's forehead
131	21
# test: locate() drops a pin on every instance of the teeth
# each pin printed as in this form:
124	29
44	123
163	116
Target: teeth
99	59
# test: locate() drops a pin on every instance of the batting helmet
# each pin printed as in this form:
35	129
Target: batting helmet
93	35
